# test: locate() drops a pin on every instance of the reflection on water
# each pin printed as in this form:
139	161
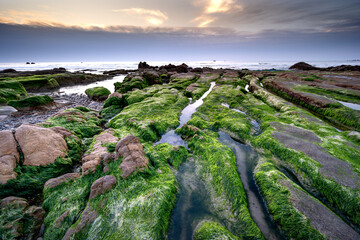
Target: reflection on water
246	160
171	137
80	89
192	205
351	105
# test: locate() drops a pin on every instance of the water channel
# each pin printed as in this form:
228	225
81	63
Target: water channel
193	201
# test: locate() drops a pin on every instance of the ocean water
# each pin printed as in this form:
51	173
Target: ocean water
99	67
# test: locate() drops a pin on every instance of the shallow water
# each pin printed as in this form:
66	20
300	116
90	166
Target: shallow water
192	205
171	137
246	160
80	89
351	105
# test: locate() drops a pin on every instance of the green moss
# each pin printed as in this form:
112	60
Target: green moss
31	179
140	204
34	101
219	172
7	94
84	123
292	222
15	86
153	116
98	93
72	197
346	95
131	83
35	82
174	154
208	230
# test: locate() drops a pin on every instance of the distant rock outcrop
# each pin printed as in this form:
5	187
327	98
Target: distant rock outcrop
303	66
306	67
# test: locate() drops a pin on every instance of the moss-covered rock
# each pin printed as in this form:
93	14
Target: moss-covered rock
98	93
174	154
34	82
209	230
151	117
81	121
33	101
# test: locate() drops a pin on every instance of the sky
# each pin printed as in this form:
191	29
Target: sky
179	30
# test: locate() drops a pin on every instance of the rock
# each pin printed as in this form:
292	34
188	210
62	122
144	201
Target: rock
151	76
87	217
8	70
31	102
133	155
37	214
14	201
94	158
40	146
143	65
117	72
303	66
63	131
115	94
60	219
102	185
59	180
98	93
9	156
183	68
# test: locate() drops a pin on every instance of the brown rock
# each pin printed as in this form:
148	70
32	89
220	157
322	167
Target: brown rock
41	146
63	131
59	180
132	151
60	219
34	225
115	94
87	217
9	156
98	153
102	185
14	201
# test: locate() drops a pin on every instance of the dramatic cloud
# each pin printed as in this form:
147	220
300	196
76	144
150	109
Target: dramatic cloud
155	17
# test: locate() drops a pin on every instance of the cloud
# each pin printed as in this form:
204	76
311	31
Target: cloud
154	17
213	9
222	6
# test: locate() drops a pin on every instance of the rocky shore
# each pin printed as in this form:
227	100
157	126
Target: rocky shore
92	167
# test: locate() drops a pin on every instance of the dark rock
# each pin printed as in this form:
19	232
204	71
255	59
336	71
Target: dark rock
59	180
9	70
60	219
117	72
132	151
102	185
183	68
143	65
303	66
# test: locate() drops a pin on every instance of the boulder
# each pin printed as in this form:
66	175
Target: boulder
115	94
98	152
98	93
87	217
59	180
14	202
102	185
303	66
40	146
9	156
132	151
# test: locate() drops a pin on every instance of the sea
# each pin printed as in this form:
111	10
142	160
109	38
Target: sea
99	67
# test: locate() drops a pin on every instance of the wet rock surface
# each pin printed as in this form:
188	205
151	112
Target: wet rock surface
62	179
94	157
321	218
40	146
9	156
131	149
102	185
